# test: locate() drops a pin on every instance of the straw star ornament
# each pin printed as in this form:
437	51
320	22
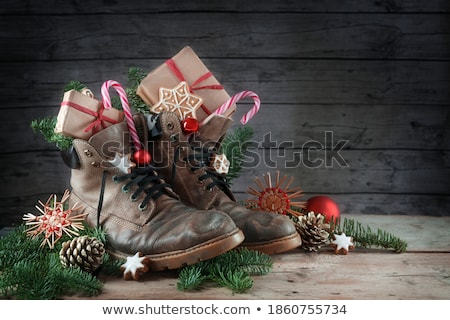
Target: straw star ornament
276	197
54	221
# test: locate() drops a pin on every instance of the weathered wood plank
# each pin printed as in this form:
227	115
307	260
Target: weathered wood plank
277	81
325	276
265	35
387	127
14	206
380	182
346	171
142	6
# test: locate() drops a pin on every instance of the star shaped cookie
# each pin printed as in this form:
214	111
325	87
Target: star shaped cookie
135	266
342	243
178	100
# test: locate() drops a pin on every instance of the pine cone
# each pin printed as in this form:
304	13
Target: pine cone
83	252
313	231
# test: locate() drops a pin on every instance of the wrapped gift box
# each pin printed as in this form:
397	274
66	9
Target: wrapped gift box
80	116
186	66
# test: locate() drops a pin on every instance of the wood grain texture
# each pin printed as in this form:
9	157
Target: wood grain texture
143	6
302	276
229	35
375	74
277	81
422	273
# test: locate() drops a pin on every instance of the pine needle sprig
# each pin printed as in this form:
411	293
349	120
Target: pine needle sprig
30	271
46	126
74	85
365	237
232	269
192	277
135	77
238	281
234	146
252	262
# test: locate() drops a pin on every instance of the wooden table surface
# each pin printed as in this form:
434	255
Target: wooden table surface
423	272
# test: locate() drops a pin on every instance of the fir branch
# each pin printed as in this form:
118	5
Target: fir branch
46	126
111	266
234	146
30	271
232	269
74	85
249	261
192	277
135	76
238	281
365	237
136	103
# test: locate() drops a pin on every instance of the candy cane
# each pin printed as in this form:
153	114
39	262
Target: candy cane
125	105
239	96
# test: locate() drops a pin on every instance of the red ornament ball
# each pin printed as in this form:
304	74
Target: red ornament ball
189	125
324	205
142	157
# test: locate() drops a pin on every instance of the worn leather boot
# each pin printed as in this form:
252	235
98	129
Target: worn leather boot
186	167
139	211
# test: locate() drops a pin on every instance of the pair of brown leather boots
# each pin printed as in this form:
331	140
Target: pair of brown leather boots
176	211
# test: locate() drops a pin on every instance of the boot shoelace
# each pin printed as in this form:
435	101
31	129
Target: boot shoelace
147	181
200	158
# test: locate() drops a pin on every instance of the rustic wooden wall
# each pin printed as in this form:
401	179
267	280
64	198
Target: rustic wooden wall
374	73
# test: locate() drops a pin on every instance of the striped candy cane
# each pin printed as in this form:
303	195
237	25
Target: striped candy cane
125	105
237	97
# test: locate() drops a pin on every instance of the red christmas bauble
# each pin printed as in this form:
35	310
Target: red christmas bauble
324	205
189	125
142	157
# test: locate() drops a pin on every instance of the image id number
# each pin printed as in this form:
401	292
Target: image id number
307	309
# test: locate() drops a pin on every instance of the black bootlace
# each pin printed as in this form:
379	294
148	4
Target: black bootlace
200	158
147	181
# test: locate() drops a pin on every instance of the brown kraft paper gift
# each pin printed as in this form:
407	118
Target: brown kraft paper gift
186	66
80	116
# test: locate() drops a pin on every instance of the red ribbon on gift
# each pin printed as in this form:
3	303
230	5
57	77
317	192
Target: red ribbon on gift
194	87
99	117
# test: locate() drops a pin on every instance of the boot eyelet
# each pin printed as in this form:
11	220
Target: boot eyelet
173	138
208	189
95	164
88	153
170	125
125	189
115	179
142	207
199	180
133	198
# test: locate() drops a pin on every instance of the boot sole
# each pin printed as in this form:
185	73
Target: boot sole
277	245
181	258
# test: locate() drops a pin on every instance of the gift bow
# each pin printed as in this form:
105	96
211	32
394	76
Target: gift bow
194	86
99	117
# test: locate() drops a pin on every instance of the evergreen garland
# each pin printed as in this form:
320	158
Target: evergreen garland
46	126
365	237
234	146
232	269
30	271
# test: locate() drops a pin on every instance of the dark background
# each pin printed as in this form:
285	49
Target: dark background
375	73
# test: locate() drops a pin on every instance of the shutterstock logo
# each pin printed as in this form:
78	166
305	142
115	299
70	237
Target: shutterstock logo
284	154
268	152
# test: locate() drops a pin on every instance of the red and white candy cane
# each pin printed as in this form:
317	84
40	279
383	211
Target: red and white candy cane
125	105
237	97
